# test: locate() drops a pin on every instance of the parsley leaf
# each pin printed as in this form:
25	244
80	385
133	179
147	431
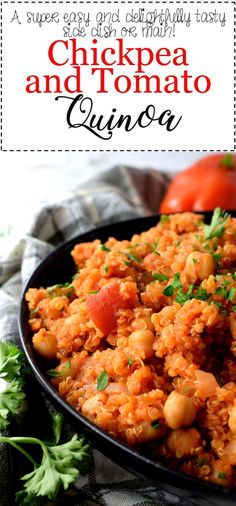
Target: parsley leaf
164	218
59	467
58	374
182	296
61	464
133	258
159	277
11	360
222	476
11	399
130	362
102	380
11	393
176	283
231	294
201	294
217	257
168	291
216	227
102	247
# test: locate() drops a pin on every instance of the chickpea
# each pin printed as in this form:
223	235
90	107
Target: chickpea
179	410
45	343
143	323
232	419
183	442
142	341
199	265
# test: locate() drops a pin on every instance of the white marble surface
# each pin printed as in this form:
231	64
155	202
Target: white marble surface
28	179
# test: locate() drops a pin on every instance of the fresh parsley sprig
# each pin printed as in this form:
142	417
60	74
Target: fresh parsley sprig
11	382
217	225
61	464
11	360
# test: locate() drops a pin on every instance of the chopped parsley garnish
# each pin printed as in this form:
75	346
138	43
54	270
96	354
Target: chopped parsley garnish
217	225
127	264
133	258
176	283
193	292
164	218
106	268
53	373
201	294
222	476
234	309
195	261
217	257
182	296
102	380
102	247
156	424
154	245
168	291
34	311
93	292
224	292
130	362
67	285
59	286
51	289
231	294
159	277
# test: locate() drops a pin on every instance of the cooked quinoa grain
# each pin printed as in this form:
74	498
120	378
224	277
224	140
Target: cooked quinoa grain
145	339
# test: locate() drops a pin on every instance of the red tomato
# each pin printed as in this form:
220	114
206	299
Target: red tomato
103	306
209	183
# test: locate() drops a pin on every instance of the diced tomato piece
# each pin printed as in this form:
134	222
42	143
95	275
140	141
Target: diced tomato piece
104	305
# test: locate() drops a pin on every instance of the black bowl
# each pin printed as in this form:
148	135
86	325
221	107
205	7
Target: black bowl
59	267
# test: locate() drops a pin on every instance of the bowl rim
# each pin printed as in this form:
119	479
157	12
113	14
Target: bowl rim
186	482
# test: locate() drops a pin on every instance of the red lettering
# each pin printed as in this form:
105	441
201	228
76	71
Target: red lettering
102	78
163	52
51	52
207	82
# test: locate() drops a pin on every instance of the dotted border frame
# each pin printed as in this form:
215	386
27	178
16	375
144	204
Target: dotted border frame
233	2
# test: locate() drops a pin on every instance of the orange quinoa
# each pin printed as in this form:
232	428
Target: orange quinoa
145	339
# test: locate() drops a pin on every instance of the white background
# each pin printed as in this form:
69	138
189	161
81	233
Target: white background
38	122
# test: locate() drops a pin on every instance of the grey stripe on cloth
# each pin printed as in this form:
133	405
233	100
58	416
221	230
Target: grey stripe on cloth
115	195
